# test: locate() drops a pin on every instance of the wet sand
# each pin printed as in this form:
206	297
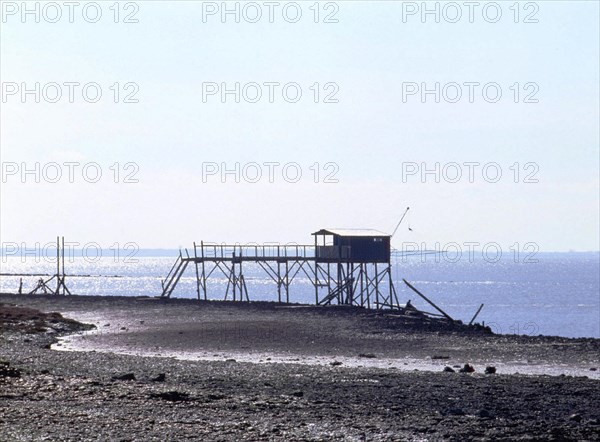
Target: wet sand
296	372
256	331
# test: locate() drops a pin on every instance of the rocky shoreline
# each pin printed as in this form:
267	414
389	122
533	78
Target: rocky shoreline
101	395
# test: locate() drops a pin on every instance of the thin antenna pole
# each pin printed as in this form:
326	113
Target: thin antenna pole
399	222
63	265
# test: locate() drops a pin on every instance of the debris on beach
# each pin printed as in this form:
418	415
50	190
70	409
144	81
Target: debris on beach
161	377
171	396
367	355
468	368
7	371
124	377
31	321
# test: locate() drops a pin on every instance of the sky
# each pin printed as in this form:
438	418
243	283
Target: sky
181	161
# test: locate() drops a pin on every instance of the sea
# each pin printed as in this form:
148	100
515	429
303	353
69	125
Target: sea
554	294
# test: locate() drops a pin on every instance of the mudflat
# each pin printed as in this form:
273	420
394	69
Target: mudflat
180	369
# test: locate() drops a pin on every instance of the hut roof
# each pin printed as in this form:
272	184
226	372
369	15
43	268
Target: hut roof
352	232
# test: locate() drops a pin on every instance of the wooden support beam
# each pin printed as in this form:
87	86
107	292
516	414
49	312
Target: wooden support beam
377	286
391	283
57	291
182	269
345	281
476	314
197	272
287	282
203	270
446	315
278	277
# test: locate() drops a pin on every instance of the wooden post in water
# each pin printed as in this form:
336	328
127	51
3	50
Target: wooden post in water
64	285
57	292
316	273
61	287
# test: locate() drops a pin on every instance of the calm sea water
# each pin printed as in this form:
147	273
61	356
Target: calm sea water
558	295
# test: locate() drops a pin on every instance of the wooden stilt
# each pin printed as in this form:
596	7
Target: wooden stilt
377	287
197	272
203	270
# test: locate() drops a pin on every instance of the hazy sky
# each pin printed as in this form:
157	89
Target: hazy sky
374	135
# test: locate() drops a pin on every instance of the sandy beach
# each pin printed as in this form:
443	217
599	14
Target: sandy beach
154	369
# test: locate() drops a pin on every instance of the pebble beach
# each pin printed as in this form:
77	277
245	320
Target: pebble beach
148	369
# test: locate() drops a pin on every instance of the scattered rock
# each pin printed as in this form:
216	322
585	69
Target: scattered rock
7	371
575	417
335	363
367	355
171	396
449	370
124	377
490	369
483	413
160	378
468	368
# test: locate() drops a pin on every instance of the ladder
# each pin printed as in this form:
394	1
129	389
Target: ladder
169	283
